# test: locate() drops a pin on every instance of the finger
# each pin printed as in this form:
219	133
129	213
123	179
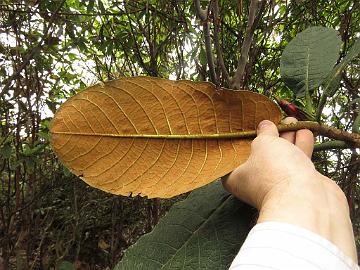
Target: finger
267	127
305	141
289	135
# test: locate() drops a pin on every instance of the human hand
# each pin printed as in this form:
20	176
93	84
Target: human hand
275	163
280	180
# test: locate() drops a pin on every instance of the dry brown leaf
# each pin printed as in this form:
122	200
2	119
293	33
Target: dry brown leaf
86	134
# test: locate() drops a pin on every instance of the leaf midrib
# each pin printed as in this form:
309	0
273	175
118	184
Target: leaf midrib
307	71
240	134
218	208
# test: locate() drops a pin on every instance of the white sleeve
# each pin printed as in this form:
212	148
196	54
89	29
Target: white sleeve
282	246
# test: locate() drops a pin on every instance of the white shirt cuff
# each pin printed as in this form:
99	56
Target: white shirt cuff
280	246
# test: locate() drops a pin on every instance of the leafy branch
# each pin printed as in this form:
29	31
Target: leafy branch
33	51
64	13
350	140
307	67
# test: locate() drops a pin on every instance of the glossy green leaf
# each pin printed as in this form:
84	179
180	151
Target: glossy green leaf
309	58
205	231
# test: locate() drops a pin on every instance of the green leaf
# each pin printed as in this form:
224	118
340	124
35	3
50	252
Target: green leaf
66	172
308	59
28	151
101	6
202	56
65	265
356	125
90	6
332	82
205	231
30	164
6	150
44	135
354	101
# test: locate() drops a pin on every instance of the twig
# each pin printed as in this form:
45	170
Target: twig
218	49
209	54
137	50
239	73
349	184
352	139
203	15
321	105
332	145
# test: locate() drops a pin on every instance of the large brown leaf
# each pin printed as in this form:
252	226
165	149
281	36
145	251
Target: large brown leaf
97	134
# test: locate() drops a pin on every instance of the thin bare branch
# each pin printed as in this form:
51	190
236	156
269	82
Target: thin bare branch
351	139
239	73
209	54
203	15
330	145
217	45
137	50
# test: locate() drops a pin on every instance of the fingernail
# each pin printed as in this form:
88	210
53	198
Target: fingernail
263	124
289	120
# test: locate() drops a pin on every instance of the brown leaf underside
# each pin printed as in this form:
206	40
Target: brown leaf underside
144	105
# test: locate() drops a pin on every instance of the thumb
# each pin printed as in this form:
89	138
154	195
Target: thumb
268	128
241	184
234	182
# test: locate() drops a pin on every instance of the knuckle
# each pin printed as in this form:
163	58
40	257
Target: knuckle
257	141
261	141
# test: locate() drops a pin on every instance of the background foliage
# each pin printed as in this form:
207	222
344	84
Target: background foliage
49	50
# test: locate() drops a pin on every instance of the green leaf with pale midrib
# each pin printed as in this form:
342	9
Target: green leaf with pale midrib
308	59
205	231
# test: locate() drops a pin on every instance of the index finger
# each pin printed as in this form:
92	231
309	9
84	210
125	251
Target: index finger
289	135
305	141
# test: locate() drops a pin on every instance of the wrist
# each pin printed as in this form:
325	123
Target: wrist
318	205
317	192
